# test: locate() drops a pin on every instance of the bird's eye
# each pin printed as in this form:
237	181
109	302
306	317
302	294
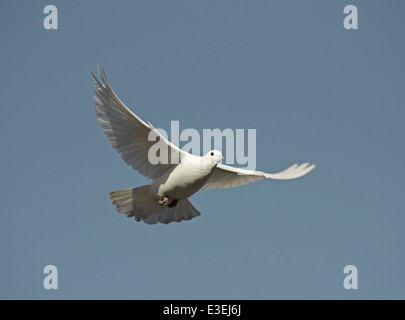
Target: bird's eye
212	153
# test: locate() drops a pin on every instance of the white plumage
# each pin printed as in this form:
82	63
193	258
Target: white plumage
165	199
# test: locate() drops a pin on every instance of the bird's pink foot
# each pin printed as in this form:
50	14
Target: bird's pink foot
164	201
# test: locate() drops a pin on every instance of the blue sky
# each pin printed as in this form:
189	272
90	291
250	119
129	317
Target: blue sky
313	91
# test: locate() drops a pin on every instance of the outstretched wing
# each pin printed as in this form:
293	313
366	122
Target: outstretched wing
226	176
129	134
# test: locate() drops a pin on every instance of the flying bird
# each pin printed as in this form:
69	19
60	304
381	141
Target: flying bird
165	199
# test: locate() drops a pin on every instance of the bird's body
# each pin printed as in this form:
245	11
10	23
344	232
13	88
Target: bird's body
165	199
183	180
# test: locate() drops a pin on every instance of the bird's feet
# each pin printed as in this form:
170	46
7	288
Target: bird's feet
164	201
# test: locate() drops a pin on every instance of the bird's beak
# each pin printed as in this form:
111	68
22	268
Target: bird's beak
222	158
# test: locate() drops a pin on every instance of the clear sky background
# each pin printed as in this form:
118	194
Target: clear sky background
313	90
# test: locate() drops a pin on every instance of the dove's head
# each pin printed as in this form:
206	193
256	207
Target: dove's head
213	157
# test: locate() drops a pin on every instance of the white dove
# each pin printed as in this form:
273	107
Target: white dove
165	199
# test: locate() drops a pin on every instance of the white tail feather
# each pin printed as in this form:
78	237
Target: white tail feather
141	204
